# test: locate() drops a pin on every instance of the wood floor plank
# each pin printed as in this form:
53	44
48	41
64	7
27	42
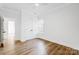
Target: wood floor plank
38	47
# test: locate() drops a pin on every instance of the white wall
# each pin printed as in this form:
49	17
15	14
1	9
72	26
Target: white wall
30	25
26	25
62	26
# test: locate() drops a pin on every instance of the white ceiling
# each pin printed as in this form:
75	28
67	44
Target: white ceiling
25	5
32	5
42	9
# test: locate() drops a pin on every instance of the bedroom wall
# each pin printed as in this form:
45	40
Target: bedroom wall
26	25
27	28
30	24
62	26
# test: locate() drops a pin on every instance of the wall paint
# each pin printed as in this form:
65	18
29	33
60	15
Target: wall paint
30	25
62	26
26	25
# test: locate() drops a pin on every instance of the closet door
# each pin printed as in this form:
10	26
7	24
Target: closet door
5	24
1	29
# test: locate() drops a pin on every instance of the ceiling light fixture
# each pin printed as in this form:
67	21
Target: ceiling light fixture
36	4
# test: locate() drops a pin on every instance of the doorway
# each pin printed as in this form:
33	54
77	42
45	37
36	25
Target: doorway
9	32
11	29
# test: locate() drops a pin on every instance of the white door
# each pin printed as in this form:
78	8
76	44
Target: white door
5	26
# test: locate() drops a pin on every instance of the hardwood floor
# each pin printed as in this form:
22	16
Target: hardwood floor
37	47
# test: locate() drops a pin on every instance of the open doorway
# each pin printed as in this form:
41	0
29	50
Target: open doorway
9	32
11	29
